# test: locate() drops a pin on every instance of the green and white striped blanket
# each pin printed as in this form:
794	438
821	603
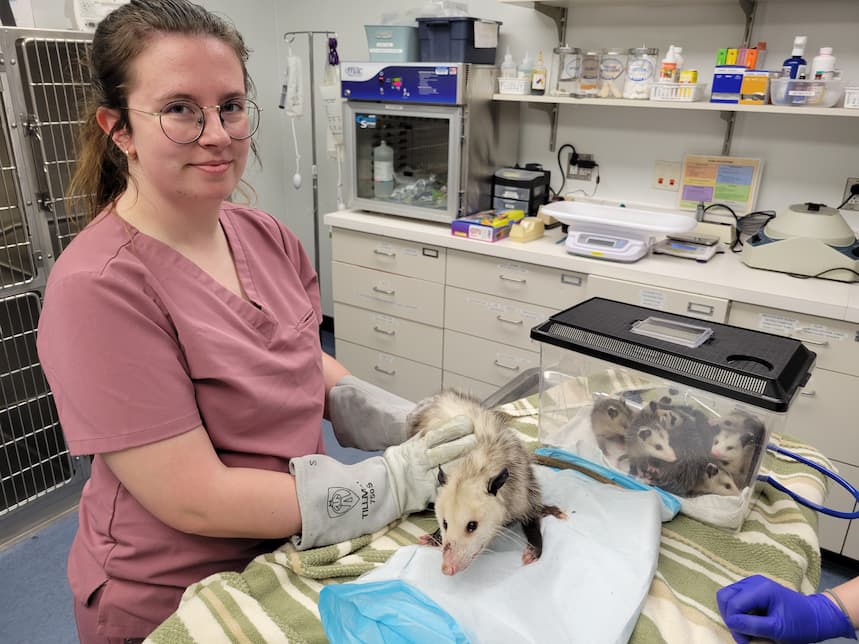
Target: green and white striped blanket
275	598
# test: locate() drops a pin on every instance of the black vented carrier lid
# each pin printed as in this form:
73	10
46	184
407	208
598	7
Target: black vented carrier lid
758	368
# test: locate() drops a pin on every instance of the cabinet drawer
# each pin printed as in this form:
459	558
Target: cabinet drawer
482	390
663	299
388	254
407	378
834	530
835	342
403	297
374	330
824	415
485	360
493	318
541	285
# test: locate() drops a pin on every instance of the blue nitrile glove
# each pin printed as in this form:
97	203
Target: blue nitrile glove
759	607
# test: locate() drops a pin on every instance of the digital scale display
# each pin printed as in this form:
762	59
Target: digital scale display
605	242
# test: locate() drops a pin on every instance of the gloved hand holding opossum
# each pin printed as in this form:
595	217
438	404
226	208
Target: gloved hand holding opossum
340	502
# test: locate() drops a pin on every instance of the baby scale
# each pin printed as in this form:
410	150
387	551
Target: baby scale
615	233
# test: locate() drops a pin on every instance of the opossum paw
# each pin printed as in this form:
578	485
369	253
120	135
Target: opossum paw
428	540
530	555
554	511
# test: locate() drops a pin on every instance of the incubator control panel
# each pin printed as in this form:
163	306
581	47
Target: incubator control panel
434	83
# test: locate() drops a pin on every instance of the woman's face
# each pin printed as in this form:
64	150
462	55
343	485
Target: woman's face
206	71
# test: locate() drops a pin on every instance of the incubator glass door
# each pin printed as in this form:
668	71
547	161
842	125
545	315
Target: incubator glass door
405	160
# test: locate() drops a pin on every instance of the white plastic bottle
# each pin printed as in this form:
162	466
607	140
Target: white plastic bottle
508	67
668	67
524	70
678	62
823	65
383	170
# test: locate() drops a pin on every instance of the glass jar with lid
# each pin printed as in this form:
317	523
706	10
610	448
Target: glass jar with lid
589	77
641	72
612	73
566	70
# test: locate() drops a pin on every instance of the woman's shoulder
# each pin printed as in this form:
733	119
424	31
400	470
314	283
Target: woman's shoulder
99	250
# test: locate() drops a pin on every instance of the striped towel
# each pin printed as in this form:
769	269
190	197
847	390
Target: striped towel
274	599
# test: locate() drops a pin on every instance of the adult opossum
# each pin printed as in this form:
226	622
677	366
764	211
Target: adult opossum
489	488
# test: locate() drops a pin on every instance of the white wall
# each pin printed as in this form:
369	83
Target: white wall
805	158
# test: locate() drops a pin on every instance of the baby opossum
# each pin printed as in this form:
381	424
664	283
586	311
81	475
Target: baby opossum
610	420
715	480
647	442
737	443
490	487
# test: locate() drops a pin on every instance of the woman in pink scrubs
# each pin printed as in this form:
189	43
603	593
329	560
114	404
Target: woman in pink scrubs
180	338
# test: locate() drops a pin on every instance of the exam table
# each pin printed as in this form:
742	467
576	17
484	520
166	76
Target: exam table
275	598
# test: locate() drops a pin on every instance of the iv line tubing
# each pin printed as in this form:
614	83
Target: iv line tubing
289	37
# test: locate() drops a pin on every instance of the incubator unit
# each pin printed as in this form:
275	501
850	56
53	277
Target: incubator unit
666	400
424	139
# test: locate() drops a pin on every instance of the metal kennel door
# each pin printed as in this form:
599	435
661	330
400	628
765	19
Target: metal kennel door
43	76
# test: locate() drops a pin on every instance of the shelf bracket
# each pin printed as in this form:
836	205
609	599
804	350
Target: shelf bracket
730	118
559	15
749	8
552	110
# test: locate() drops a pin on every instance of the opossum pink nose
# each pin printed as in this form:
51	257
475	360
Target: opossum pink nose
448	569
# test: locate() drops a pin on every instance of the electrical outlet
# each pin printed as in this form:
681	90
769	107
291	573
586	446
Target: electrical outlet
852	202
577	172
666	175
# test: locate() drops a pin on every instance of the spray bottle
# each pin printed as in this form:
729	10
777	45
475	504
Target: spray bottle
508	67
795	66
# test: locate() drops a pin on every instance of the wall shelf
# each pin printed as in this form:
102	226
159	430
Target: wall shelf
698	105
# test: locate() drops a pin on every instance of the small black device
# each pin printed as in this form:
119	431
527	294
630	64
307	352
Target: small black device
520	189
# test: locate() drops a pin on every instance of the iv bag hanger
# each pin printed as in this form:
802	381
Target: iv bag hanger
310	35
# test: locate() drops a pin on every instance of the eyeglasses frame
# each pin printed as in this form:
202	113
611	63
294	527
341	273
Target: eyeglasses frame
203	108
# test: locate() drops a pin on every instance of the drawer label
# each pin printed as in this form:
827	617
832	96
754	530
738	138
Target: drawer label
516	268
784	325
777	324
652	299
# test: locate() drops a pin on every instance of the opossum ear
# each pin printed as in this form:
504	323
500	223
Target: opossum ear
442	477
496	482
712	469
747	439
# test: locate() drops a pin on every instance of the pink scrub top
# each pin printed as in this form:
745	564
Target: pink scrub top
140	345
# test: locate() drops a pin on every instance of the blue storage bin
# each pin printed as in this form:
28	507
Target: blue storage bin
392	43
451	39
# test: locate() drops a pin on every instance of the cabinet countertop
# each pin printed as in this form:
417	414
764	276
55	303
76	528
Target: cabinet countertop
723	276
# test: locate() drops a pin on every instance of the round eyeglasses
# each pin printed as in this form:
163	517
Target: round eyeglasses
183	121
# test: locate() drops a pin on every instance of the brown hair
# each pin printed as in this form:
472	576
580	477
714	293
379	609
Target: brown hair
101	173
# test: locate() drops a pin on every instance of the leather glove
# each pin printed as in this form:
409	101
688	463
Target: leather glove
340	502
757	607
366	416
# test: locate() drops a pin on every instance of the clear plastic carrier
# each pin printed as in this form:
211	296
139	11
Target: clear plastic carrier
679	403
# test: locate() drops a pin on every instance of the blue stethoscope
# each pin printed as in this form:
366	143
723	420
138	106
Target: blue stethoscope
803	501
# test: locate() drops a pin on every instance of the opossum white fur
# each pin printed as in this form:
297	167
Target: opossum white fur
491	487
738	440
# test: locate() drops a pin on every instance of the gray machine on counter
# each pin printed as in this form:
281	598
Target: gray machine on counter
809	239
447	134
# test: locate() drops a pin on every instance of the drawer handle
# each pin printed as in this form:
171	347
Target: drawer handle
384	371
386	253
501	318
573	280
383	291
379	329
820	343
700	309
507	366
810	392
518	280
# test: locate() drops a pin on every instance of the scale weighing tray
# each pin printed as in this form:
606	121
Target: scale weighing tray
615	232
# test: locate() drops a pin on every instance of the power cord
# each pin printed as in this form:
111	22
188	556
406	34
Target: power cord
748	224
574	156
854	190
